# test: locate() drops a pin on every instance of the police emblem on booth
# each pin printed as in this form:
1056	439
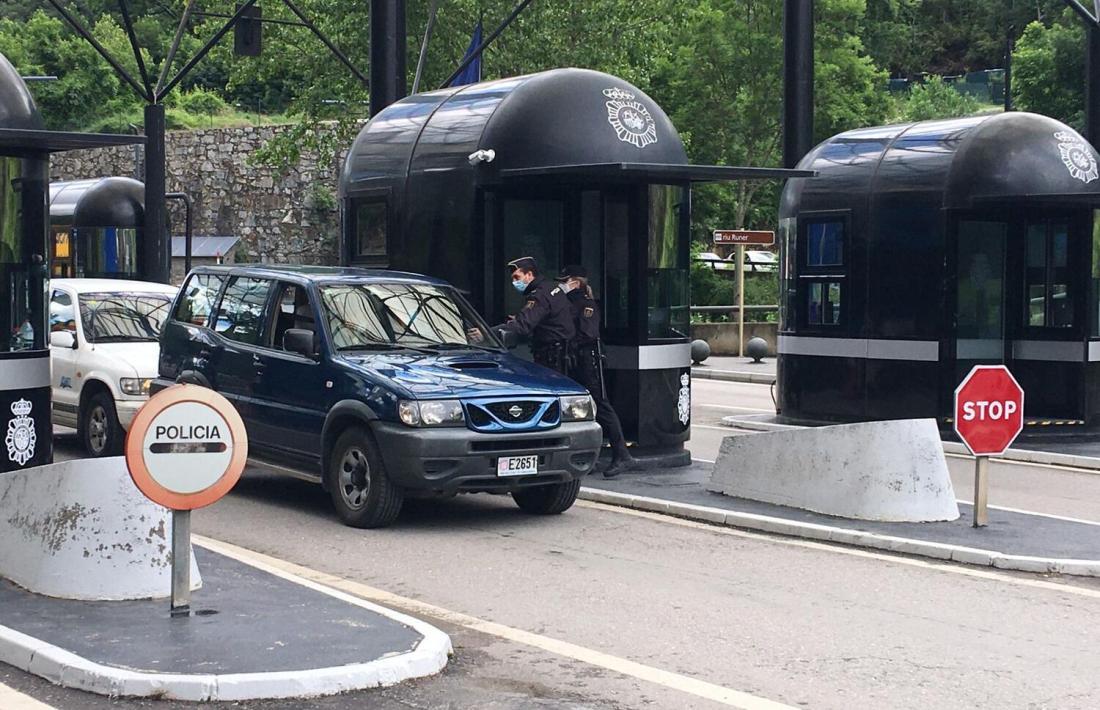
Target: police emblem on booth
632	122
683	402
1077	157
21	437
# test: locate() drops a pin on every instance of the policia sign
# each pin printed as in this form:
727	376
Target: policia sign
185	449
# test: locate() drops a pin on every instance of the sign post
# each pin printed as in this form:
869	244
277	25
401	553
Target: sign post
989	415
186	448
740	238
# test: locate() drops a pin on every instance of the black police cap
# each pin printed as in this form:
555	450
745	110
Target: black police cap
524	262
573	271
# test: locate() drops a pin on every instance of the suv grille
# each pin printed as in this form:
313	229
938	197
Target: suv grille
513	412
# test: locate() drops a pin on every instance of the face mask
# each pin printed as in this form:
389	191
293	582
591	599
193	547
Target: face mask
519	286
566	286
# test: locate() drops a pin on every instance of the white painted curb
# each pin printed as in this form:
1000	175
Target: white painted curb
64	668
846	536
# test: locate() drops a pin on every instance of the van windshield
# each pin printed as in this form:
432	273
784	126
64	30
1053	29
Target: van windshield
392	315
123	317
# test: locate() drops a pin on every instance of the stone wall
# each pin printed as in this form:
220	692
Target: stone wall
289	217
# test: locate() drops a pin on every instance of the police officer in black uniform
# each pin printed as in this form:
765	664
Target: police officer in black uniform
588	364
546	315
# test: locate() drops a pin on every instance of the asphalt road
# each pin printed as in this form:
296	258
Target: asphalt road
778	620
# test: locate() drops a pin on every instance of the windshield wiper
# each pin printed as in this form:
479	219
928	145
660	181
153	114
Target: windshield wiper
462	346
383	346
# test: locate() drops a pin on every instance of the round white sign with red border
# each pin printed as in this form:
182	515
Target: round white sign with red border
186	447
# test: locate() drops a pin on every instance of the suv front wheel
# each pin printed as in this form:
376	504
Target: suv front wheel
99	426
362	493
548	500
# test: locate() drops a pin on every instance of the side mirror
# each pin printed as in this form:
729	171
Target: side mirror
509	337
297	340
63	339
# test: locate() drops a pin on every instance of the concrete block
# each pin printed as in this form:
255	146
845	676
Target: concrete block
82	530
888	471
973	556
1024	563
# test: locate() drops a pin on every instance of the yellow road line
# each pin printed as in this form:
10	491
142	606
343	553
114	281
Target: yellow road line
658	676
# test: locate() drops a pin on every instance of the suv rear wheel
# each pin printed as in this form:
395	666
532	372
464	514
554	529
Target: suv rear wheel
99	427
362	493
548	500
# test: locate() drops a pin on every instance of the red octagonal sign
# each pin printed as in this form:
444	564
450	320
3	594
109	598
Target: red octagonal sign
989	410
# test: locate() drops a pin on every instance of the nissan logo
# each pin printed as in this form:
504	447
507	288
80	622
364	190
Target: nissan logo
515	410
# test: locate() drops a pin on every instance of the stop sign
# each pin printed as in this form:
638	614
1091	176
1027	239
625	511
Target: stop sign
989	410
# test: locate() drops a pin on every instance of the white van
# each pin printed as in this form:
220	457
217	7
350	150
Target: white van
103	354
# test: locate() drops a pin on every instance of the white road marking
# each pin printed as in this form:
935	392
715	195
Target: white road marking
739	409
1036	464
12	699
658	676
850	551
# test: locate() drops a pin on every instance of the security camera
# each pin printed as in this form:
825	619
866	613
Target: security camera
482	156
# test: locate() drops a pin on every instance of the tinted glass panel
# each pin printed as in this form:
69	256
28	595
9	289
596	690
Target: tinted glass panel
122	317
22	284
1049	292
240	316
825	243
531	228
667	286
370	228
108	252
1095	330
199	295
823	307
616	244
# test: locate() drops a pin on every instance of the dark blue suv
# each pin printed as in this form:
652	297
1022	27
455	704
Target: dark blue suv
380	386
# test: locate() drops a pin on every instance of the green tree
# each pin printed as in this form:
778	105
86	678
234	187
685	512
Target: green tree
1048	70
935	99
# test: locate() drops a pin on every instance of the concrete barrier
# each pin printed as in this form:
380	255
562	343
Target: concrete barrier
889	471
82	530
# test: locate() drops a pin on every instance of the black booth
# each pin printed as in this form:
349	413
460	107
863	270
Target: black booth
24	269
922	250
566	166
95	228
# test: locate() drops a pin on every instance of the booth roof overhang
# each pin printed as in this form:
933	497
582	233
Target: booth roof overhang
20	141
654	172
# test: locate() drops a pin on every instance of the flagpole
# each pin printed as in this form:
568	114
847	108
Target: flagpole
488	40
424	46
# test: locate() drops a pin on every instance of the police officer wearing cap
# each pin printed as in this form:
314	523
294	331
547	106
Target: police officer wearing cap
546	315
588	364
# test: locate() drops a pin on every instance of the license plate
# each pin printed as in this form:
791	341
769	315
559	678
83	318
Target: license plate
517	465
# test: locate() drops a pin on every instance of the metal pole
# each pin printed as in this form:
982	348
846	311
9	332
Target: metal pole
739	252
488	40
798	80
175	46
181	562
424	45
129	25
157	254
187	226
981	491
387	53
80	30
205	49
1010	46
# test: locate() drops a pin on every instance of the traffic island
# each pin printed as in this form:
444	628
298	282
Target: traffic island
251	634
1012	540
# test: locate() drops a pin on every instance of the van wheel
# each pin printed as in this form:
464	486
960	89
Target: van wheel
99	427
362	493
548	500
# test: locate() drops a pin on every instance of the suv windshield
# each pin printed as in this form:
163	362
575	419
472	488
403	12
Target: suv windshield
372	315
123	317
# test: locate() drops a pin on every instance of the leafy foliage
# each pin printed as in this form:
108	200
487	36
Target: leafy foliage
1048	73
935	99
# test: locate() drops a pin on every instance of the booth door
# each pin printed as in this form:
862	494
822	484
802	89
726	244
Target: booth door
980	296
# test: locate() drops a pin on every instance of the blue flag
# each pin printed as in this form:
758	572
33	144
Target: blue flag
472	73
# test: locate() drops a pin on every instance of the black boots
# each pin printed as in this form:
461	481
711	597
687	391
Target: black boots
621	461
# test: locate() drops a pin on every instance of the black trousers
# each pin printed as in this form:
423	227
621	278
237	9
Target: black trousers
552	355
588	370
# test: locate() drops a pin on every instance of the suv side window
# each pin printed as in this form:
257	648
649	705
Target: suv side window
292	310
241	313
199	295
62	314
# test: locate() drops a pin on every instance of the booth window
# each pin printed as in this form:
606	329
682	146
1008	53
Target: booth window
667	287
1049	297
371	226
107	251
240	315
1095	273
23	318
822	271
199	295
62	255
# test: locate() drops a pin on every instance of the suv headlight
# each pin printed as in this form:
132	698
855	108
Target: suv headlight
577	408
135	385
440	412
